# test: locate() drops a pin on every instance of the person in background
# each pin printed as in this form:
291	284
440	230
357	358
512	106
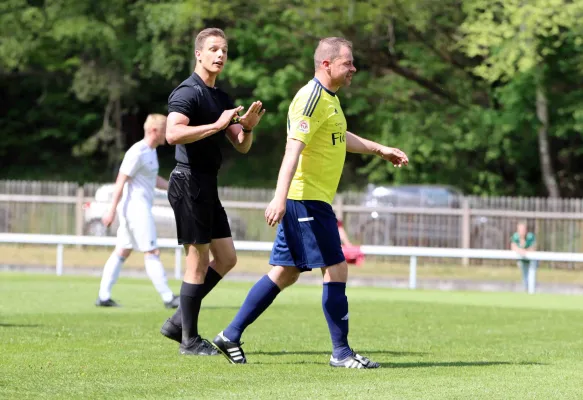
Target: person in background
524	242
133	198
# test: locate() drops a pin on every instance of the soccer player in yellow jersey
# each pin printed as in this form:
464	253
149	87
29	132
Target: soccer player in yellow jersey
307	235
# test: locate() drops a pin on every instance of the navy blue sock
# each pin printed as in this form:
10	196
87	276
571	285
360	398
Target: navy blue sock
258	299
335	305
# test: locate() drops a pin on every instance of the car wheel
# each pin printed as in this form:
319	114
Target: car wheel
95	228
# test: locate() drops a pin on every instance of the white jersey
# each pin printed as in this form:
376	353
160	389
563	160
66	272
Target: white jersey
140	163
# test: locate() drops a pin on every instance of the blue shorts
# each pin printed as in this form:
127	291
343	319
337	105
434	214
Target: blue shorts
307	236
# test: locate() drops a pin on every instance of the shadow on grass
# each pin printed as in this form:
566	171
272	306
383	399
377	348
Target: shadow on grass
384	352
431	364
3	325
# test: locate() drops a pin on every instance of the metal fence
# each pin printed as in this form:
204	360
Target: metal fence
469	222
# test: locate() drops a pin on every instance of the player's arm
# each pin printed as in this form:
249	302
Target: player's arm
356	144
241	134
121	180
276	209
161	183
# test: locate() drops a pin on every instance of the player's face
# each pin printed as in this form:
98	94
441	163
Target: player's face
159	133
213	54
342	69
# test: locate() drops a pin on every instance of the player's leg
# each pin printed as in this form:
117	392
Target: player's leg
157	275
257	301
143	232
335	306
191	295
113	266
224	259
192	198
288	259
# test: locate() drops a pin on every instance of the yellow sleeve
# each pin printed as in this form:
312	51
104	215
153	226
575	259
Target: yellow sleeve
305	115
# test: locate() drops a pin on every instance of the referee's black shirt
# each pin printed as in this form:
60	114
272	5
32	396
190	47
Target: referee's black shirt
202	105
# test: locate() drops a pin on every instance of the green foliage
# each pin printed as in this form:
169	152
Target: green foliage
452	84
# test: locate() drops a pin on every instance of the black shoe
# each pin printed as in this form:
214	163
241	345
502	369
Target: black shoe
354	361
174	303
106	303
171	330
231	350
198	347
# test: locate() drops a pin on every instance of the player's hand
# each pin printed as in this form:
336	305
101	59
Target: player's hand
226	117
252	116
274	212
108	218
395	156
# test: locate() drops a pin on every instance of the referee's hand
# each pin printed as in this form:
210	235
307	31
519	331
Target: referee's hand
226	117
275	212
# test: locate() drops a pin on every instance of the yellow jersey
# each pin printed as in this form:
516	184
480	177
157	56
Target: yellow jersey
316	119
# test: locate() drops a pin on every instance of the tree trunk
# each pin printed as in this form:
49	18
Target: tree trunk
542	113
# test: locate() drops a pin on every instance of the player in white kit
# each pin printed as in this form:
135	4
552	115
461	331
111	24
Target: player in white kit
134	186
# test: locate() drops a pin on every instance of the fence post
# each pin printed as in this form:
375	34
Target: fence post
177	263
60	251
465	229
79	211
413	272
531	283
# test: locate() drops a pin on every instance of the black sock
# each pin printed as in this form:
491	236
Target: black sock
190	299
210	281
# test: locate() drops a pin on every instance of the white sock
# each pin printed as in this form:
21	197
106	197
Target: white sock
110	274
155	271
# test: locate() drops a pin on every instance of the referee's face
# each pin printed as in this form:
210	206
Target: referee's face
213	54
342	68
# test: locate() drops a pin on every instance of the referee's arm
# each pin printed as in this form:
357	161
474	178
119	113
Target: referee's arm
178	131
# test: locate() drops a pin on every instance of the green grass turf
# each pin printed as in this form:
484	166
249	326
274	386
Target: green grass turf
54	343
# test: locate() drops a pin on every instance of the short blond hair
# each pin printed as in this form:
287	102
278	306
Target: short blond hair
329	49
205	34
154	120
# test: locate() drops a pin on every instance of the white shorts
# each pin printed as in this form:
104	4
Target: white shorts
137	233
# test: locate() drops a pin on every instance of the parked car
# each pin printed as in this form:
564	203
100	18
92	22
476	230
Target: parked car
381	227
162	212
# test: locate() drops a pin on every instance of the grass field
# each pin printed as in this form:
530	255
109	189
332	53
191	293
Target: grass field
432	345
258	263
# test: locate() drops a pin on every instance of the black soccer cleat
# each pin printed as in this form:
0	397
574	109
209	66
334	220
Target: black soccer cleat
198	347
106	303
231	350
174	303
171	330
354	361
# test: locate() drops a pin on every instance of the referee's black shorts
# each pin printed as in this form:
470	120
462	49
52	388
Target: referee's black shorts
200	216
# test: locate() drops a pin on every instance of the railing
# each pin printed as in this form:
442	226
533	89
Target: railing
412	252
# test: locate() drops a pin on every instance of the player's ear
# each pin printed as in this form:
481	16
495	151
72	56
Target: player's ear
197	54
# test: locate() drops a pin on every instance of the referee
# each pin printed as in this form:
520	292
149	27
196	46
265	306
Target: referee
200	115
